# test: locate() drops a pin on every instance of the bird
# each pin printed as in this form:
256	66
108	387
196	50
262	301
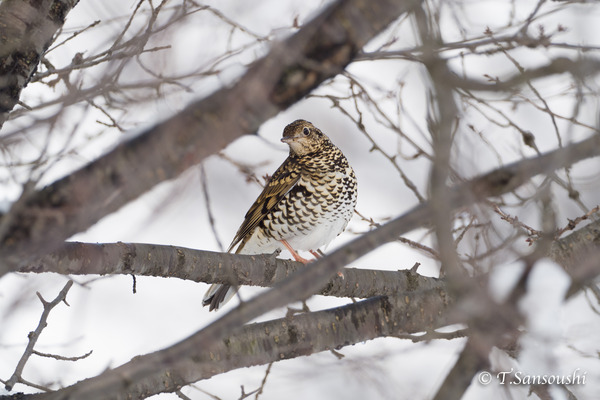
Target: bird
307	202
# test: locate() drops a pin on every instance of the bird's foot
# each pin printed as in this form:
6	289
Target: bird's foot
315	253
296	256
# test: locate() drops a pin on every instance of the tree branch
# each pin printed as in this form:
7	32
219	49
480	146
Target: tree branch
575	247
320	50
579	69
443	122
144	374
472	358
211	267
27	31
34	335
280	339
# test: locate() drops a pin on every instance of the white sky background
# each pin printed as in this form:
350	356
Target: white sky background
107	318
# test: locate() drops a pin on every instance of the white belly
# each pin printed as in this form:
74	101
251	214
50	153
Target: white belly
329	227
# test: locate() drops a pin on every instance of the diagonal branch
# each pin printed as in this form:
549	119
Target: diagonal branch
290	337
168	367
320	50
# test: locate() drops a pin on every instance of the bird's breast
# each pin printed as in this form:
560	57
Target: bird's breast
315	210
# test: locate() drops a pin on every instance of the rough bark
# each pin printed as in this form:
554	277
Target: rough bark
28	28
210	267
575	247
275	340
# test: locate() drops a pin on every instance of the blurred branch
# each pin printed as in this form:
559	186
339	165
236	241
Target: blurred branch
443	120
280	339
459	378
574	248
165	369
579	69
320	50
419	310
34	335
22	47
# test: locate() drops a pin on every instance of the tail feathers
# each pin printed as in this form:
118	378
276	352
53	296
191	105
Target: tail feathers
217	295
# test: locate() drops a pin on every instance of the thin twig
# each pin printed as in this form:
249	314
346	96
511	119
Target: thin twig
211	218
573	223
182	396
34	335
62	358
264	381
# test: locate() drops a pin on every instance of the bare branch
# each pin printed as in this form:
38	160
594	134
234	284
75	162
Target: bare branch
34	335
63	358
579	69
210	267
276	340
471	359
443	122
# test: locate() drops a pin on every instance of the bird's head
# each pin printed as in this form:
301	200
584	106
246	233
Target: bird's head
303	137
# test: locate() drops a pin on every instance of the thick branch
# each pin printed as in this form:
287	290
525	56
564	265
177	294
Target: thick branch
165	368
320	50
291	337
28	28
210	267
265	270
575	247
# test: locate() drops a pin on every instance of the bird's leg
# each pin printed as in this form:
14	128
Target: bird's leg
314	253
296	256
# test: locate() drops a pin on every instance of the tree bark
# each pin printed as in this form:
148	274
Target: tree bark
210	267
265	342
28	28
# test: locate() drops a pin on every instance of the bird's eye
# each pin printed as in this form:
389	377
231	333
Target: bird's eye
305	131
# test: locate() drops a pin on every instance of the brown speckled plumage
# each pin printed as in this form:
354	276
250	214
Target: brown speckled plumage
307	202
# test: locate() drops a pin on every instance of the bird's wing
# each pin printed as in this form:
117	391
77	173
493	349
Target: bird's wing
282	181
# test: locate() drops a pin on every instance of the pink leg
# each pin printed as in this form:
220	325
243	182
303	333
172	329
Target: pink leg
296	256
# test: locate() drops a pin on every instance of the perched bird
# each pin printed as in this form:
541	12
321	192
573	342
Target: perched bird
307	203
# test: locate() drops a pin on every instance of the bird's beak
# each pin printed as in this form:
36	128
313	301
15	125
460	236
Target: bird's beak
290	139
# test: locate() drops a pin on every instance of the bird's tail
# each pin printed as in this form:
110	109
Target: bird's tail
217	295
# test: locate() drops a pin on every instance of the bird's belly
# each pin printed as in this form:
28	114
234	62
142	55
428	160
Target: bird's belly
301	236
315	229
319	235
